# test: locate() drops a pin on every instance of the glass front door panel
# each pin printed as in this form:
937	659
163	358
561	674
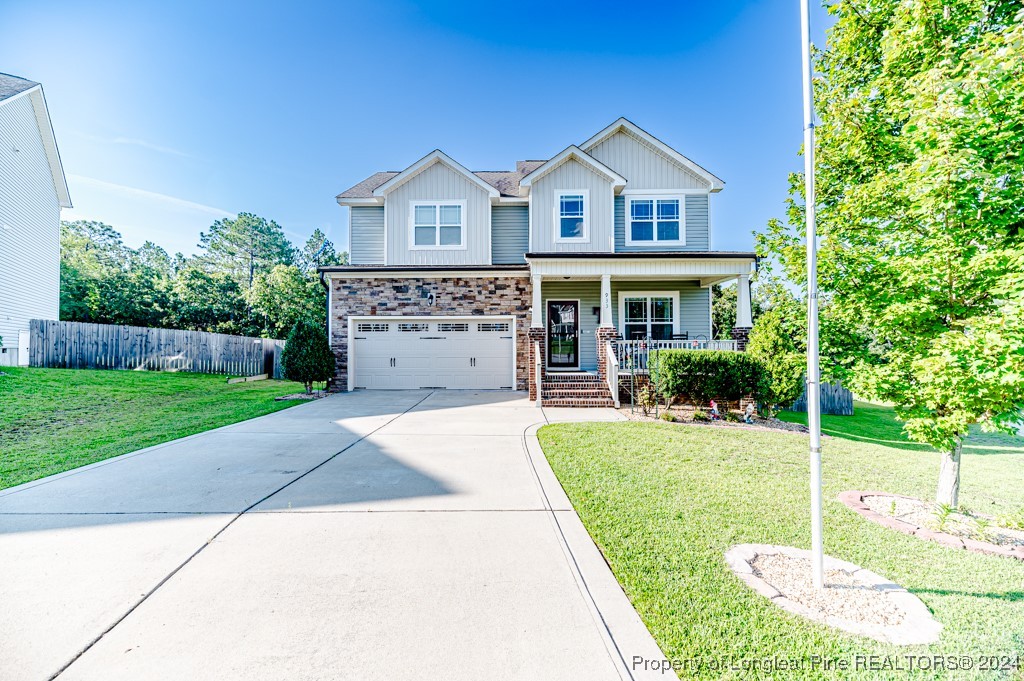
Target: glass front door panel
563	333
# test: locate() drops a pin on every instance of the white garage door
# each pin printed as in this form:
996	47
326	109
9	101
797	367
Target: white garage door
401	353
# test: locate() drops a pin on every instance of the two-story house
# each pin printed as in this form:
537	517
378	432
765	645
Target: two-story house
32	192
540	278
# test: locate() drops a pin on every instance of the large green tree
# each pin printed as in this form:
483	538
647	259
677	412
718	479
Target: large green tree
920	205
245	246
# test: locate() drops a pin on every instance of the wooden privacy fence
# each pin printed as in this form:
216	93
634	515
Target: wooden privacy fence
835	399
78	345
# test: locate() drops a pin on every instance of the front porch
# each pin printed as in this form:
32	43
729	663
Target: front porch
596	318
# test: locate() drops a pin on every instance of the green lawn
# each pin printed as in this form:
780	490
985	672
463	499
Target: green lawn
53	420
664	501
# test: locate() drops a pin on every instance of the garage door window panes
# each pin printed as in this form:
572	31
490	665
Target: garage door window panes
649	316
437	225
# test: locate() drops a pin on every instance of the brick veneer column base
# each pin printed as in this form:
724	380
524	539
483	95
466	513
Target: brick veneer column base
535	338
741	334
603	335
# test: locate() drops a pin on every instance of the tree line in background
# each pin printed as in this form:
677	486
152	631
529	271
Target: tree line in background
248	279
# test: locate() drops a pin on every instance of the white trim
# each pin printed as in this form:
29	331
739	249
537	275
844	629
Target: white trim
359	202
353	319
674	295
349	245
715	183
557	218
627	217
641	267
372	273
574	152
547	327
711	315
387	238
436	156
45	128
411	225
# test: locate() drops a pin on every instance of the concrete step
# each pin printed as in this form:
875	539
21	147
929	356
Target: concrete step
576	402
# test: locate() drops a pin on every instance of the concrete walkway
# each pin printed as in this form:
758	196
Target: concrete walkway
399	535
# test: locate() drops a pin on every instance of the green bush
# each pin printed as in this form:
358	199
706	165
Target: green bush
704	375
783	366
307	355
700	415
667	416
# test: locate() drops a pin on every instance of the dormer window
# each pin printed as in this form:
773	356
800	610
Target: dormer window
571	212
655	220
437	225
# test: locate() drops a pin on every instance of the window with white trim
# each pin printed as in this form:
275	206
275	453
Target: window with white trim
653	219
648	314
571	213
437	224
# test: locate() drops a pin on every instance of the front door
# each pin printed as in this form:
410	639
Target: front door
563	334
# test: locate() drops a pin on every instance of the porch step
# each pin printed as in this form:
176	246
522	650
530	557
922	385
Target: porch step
576	402
571	376
575	389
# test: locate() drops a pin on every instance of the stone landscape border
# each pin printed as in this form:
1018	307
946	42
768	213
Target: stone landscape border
855	500
918	626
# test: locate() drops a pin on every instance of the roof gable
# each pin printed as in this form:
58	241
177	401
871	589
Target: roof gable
573	152
12	88
434	157
714	182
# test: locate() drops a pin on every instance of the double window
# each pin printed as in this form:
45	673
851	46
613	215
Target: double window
438	224
655	220
648	314
572	216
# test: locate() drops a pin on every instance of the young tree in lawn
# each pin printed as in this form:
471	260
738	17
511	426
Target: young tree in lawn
307	356
921	206
771	344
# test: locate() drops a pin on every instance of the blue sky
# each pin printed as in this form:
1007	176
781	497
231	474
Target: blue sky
171	115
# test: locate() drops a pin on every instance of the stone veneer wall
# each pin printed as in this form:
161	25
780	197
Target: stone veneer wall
410	297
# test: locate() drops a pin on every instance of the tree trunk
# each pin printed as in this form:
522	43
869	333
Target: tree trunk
949	477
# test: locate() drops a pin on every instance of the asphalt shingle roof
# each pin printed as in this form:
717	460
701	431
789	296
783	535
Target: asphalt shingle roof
505	181
12	85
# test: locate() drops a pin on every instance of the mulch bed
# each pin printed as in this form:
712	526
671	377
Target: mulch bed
685	415
315	395
915	517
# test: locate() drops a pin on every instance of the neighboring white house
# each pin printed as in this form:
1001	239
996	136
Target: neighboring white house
32	192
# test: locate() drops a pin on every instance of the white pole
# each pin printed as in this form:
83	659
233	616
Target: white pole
813	370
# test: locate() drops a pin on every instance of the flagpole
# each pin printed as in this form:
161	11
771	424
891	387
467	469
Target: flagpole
813	368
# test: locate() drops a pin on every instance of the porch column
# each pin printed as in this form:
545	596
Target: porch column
741	331
537	313
606	300
743	301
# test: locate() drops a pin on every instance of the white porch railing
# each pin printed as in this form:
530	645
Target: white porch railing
633	355
611	375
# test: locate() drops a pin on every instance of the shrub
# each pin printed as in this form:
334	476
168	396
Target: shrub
704	375
783	366
667	416
700	415
307	355
732	417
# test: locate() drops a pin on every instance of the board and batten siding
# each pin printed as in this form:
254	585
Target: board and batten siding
697	227
29	225
510	234
367	239
644	166
570	176
694	303
438	183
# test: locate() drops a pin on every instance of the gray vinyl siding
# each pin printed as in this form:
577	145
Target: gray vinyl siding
694	303
367	235
510	234
644	166
697	228
441	183
571	176
589	295
30	219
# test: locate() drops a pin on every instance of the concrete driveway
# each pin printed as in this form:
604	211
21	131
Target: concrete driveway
393	535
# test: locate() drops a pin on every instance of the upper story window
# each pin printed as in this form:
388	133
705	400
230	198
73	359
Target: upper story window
655	219
437	224
572	216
